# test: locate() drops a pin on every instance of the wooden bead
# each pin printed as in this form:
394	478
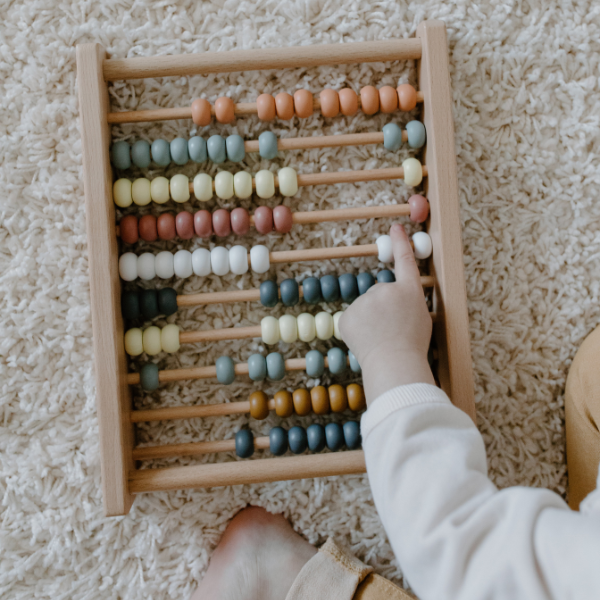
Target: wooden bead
369	99
356	397
133	342
159	190
413	172
240	221
337	398
284	404
151	341
140	191
302	403
284	105
265	107
224	110
203	187
169	338
147	228
128	228
282	219
288	181
165	226
319	400
388	99
122	193
179	187
348	102
419	208
265	184
203	224
259	406
263	219
224	185
303	103
330	103
221	222
242	184
201	112
269	329
184	224
407	96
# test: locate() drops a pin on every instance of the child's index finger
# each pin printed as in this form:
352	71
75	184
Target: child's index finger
404	258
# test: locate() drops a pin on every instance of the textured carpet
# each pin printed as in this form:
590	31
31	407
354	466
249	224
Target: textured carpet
525	81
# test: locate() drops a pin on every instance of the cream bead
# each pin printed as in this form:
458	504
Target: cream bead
337	334
259	259
146	267
306	327
324	325
413	172
182	264
180	188
422	244
201	262
163	264
288	181
140	191
288	328
159	190
238	260
122	193
242	184
384	248
133	342
269	330
128	266
203	187
151	340
265	184
219	260
169	338
224	185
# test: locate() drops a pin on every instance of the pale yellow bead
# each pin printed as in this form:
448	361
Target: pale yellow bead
265	184
133	342
224	185
336	325
203	187
324	325
242	184
180	188
169	338
151	340
306	327
122	193
288	328
140	191
288	181
159	190
269	329
413	172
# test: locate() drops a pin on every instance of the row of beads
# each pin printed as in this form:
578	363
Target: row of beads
305	327
152	340
314	438
301	104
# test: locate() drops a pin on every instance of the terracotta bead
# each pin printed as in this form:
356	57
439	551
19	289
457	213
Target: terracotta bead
356	397
240	221
259	406
319	400
330	103
284	104
302	403
284	404
147	228
369	100
265	107
303	103
337	398
263	219
348	102
388	99
129	229
419	208
203	224
184	223
282	219
165	226
201	112
407	96
221	222
224	110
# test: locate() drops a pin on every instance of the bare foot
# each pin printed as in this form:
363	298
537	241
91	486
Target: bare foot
258	557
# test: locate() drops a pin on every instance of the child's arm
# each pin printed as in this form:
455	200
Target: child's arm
454	534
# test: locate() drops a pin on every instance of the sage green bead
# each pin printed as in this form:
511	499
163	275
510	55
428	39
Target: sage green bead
416	134
336	359
119	155
257	367
179	151
197	149
216	149
140	154
392	136
235	148
267	145
275	366
161	153
315	364
149	377
354	366
225	370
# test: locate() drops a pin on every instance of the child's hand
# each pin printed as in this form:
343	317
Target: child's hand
389	328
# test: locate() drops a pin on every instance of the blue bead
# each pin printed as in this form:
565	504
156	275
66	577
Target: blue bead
278	441
336	359
311	289
225	370
244	443
354	366
385	276
364	282
216	148
330	288
161	152
392	136
275	366
334	435
315	434
352	435
315	363
179	151
416	134
197	149
257	367
130	306
290	292
119	155
140	154
269	295
348	287
267	145
149	377
235	148
297	439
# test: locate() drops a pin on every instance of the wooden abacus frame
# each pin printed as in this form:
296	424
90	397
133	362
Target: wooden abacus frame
120	478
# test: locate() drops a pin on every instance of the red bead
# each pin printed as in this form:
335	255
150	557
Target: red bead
240	221
221	222
129	229
203	224
419	208
165	225
263	219
282	217
147	228
184	222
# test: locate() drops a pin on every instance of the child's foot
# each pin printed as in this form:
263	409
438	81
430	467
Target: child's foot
258	557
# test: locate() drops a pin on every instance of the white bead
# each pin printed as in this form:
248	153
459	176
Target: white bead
163	264
422	244
242	184
122	193
201	262
133	342
288	328
265	184
269	330
146	266
180	188
324	325
337	334
238	260
259	259
219	260
306	327
169	338
128	266
413	172
288	181
182	264
203	189
224	185
384	246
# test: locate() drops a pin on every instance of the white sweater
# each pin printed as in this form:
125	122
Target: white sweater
455	535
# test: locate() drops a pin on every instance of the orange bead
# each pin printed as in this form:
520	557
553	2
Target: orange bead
201	112
259	406
337	398
284	105
330	103
407	96
302	403
224	110
284	404
388	99
348	102
303	103
265	107
369	100
356	397
320	400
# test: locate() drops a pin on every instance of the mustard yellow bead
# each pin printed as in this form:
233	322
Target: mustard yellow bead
159	190
122	193
413	172
203	187
265	184
133	342
180	188
324	325
169	338
269	329
151	340
336	325
242	184
288	181
224	185
140	191
306	327
288	328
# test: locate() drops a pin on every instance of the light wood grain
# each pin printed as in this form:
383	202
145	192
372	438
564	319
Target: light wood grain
194	448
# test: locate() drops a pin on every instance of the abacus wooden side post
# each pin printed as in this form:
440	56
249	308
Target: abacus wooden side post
112	392
451	330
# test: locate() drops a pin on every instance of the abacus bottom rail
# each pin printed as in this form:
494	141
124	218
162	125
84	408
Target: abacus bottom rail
194	448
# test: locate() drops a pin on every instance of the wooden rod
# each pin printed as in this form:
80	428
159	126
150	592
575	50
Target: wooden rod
194	448
239	472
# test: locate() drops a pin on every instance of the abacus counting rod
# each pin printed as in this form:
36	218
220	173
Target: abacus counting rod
173	413
194	448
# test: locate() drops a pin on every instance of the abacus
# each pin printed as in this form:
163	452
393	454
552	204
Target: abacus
440	245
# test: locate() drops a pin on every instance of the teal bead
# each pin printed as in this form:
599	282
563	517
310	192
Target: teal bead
311	290
244	443
130	306
167	301
225	370
336	359
267	145
348	287
197	149
275	366
385	276
269	294
330	288
140	154
235	148
354	366
352	435
290	292
161	153
297	439
119	155
392	137
364	282
278	441
257	367
216	149
315	364
149	304
416	134
334	436
179	151
315	435
149	377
